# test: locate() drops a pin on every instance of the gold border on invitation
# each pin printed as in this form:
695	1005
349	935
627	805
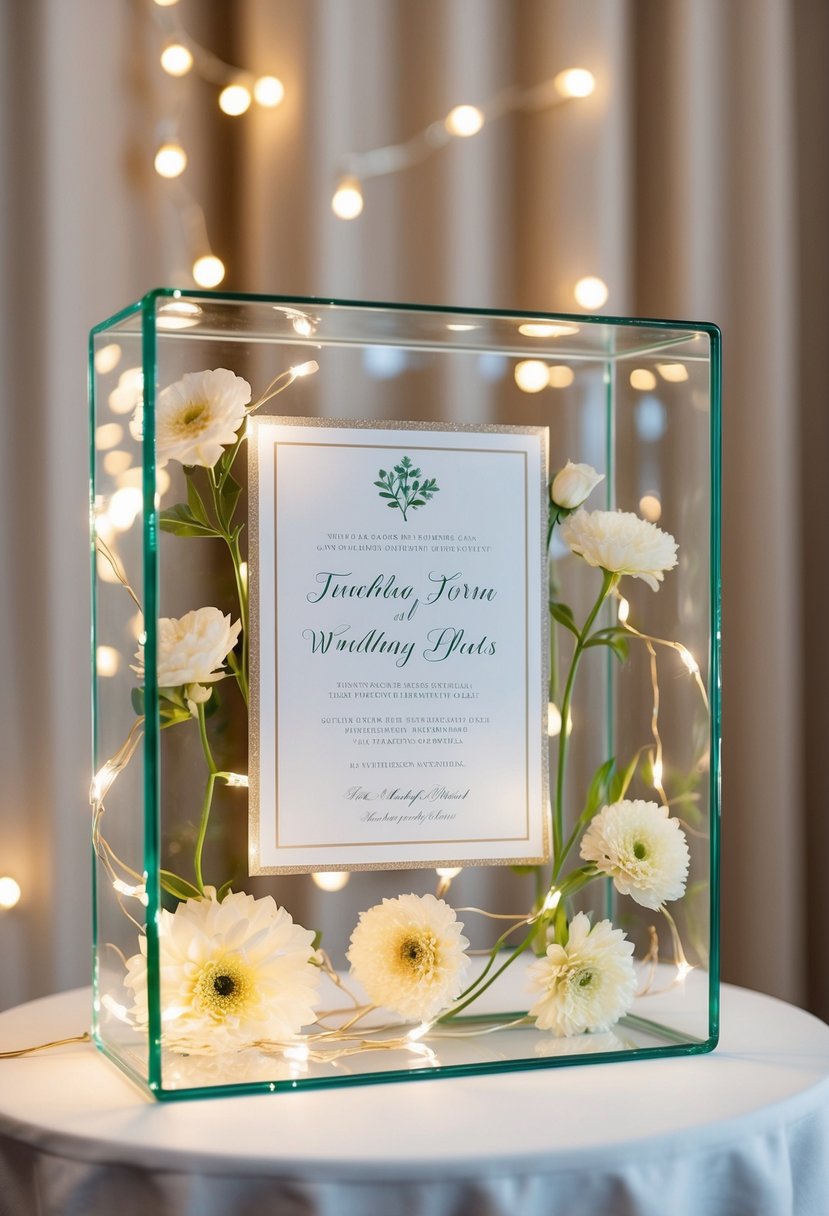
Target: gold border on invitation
255	750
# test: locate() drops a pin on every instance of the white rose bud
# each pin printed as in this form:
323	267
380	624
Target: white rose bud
573	485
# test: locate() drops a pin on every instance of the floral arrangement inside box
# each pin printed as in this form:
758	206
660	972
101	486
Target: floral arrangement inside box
236	973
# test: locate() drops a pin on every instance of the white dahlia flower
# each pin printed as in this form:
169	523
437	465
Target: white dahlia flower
587	984
232	974
408	954
644	851
192	648
573	484
199	415
622	543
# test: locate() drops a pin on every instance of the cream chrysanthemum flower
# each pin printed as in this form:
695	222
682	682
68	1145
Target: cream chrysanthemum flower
199	415
643	850
192	647
587	984
408	953
232	974
622	543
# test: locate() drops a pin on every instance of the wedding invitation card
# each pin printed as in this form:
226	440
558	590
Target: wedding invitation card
398	596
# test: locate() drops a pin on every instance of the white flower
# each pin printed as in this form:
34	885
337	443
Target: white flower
191	648
573	484
641	849
196	695
232	974
198	415
587	984
408	953
622	543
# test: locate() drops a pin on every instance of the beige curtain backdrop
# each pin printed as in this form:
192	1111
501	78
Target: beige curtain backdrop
695	182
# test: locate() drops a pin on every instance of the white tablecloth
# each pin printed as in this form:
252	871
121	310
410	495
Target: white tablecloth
742	1132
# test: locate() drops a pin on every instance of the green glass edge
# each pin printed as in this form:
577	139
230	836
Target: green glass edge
93	642
152	773
238	297
436	1071
715	340
610	671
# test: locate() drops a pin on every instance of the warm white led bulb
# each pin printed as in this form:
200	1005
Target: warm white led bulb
9	892
208	270
170	160
107	358
560	376
575	82
268	91
176	59
464	121
331	880
347	202
234	99
674	373
591	292
650	507
642	379
531	375
108	436
124	506
449	872
107	660
305	369
166	3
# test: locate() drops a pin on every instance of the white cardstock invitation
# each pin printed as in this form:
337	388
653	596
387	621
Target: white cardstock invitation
398	645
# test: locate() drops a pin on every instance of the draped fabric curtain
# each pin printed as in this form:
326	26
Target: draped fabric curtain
694	182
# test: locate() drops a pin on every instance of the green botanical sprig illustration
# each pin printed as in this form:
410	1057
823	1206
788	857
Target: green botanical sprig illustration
404	489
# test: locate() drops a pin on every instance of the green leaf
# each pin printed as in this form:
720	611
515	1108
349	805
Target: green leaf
137	699
619	645
598	788
228	498
395	506
383	473
564	616
317	940
523	869
223	890
197	507
176	886
384	495
621	781
181	522
418	502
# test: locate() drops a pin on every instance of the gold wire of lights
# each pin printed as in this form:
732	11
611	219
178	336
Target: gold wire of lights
182	57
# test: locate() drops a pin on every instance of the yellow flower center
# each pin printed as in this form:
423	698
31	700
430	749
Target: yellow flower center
224	987
639	850
417	953
193	418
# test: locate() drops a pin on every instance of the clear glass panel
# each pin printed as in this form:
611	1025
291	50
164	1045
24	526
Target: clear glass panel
118	786
638	401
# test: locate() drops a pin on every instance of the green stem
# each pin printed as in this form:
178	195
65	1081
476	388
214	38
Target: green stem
609	581
456	1009
231	539
213	773
242	592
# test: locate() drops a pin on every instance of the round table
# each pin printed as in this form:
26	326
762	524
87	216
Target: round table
742	1132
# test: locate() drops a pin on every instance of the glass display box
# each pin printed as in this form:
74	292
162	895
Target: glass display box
406	690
